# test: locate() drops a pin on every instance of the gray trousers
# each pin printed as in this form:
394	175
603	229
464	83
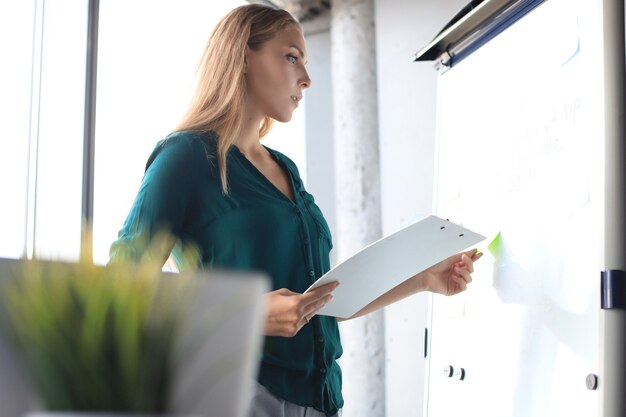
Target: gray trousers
266	404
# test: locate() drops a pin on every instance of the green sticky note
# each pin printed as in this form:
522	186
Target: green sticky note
495	247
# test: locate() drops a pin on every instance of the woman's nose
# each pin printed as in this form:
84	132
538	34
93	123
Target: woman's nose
305	82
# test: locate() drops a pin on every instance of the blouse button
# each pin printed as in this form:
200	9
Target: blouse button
312	273
322	370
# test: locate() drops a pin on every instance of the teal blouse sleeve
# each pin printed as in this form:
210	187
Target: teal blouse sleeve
165	198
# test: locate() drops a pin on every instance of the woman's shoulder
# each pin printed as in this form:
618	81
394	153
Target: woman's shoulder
185	147
191	141
207	137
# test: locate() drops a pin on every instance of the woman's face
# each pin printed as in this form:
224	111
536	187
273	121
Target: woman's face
276	76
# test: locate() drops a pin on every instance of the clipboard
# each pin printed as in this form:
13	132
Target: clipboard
390	261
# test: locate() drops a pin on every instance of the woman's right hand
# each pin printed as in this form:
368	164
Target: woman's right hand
288	311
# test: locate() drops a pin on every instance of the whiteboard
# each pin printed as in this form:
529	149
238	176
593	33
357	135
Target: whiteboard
519	158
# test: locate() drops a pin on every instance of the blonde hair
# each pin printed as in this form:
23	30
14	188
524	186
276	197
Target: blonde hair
218	102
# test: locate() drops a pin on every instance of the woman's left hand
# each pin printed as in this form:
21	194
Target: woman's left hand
451	276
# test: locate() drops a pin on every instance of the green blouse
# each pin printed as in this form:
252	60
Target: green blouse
255	227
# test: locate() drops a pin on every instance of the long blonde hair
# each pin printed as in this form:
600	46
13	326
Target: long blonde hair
218	102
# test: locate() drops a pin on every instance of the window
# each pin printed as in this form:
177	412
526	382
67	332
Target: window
16	41
42	150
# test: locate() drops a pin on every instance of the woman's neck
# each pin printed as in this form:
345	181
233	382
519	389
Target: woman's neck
248	141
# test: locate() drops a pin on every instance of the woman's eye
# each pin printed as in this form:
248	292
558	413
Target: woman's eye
291	58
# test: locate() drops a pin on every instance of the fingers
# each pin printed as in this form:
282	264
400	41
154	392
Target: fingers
287	311
309	304
303	321
463	274
313	308
462	270
460	282
285	291
469	263
468	259
318	293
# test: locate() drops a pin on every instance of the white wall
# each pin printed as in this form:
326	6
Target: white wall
319	122
407	101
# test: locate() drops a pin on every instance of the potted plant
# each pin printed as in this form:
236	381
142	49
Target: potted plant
96	339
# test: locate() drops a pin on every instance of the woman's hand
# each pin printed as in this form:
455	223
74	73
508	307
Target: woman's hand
451	276
288	311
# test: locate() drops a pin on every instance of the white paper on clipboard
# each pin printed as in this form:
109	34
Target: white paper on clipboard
389	261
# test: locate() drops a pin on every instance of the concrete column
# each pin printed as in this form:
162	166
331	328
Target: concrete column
357	187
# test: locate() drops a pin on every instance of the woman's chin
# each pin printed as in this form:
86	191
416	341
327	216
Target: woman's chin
283	118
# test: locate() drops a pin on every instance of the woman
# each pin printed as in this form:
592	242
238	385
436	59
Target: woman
212	183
